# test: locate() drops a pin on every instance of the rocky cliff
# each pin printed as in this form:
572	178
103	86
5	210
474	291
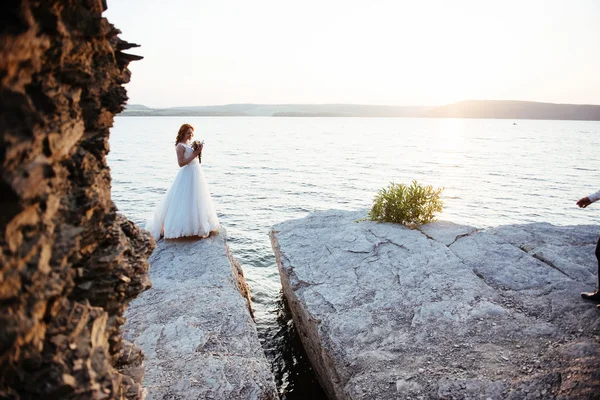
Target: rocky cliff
443	312
69	263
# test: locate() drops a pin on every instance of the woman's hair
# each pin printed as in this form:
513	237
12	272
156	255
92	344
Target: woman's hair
182	132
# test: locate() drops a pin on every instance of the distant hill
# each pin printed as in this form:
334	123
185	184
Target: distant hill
279	110
137	107
465	109
515	110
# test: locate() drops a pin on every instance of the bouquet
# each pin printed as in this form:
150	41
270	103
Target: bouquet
195	145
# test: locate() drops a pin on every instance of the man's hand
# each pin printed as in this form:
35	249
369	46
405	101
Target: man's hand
583	202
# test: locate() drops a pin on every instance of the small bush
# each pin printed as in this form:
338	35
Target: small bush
408	205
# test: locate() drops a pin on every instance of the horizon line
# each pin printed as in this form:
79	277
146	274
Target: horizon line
363	104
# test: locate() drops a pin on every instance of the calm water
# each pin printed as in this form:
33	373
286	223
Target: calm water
262	171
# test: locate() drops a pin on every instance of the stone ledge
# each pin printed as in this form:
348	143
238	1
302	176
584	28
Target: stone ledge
195	328
444	312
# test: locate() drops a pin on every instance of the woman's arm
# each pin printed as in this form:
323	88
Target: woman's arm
181	157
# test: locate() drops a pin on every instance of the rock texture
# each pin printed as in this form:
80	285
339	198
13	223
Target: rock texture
195	326
69	264
444	312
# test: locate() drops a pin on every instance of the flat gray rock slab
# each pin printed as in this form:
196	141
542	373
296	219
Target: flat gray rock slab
444	311
195	328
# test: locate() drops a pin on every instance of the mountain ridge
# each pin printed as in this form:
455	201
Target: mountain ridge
485	109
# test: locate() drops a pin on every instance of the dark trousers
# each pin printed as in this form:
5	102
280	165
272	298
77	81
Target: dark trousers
598	258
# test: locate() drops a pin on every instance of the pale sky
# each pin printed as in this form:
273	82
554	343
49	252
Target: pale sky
427	52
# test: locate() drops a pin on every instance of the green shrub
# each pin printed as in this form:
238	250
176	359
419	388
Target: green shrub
408	205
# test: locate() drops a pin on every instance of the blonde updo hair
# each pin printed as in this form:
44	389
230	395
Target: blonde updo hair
182	132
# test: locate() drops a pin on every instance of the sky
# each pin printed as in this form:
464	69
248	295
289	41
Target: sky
427	52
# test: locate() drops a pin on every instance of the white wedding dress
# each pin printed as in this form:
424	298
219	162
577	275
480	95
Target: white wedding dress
186	208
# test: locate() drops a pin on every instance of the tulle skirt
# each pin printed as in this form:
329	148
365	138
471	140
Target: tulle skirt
186	208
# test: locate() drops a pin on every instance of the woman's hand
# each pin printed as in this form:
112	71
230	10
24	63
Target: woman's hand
198	150
584	202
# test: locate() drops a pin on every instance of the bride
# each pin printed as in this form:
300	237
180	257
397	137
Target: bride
187	208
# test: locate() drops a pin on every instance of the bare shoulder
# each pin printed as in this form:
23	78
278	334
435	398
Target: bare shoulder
179	150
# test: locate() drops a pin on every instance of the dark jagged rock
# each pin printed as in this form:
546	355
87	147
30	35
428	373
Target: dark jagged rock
69	263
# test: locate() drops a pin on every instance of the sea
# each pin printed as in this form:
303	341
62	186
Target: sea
265	170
